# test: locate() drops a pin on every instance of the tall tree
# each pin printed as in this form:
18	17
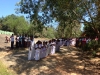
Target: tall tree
83	11
13	23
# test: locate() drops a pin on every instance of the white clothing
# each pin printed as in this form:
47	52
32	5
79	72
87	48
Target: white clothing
31	51
17	39
37	54
44	51
47	51
41	53
53	48
60	42
29	54
12	38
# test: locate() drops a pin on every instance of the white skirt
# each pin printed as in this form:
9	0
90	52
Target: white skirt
37	54
33	53
30	54
53	50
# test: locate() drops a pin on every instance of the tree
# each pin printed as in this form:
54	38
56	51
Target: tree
32	8
48	32
66	11
13	23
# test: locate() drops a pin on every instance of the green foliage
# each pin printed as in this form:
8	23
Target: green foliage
19	25
16	24
65	12
48	32
91	45
68	30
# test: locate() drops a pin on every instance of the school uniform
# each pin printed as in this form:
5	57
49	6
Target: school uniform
44	51
47	49
53	47
31	53
37	52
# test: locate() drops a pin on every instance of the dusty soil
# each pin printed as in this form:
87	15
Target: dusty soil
69	61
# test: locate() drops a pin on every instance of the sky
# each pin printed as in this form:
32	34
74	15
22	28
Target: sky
7	7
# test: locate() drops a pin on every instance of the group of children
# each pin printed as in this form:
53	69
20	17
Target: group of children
41	49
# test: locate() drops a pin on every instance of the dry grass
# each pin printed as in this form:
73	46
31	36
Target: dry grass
69	61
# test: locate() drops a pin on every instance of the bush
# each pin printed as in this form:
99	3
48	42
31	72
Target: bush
91	46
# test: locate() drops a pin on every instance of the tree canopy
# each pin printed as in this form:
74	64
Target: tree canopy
65	12
19	25
13	23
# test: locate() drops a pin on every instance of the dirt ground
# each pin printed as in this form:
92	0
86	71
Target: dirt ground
69	61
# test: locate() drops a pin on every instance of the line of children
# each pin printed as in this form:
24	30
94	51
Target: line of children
42	49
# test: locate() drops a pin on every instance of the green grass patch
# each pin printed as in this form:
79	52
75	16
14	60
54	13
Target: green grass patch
4	70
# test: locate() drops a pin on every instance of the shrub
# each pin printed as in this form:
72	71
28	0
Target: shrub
91	46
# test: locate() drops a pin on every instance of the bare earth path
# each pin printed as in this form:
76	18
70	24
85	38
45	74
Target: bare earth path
69	61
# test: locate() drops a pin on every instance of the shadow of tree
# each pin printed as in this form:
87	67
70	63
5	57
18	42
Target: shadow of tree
4	49
65	62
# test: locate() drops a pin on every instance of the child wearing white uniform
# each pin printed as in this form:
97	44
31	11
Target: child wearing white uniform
44	49
53	48
48	48
37	51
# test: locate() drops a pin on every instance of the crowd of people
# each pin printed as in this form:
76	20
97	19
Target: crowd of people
20	41
82	41
42	49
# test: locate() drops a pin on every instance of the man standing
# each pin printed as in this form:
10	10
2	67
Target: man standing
17	41
12	41
20	41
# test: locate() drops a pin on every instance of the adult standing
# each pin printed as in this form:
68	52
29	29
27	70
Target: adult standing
58	45
20	41
53	49
17	41
37	51
31	49
23	41
12	41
